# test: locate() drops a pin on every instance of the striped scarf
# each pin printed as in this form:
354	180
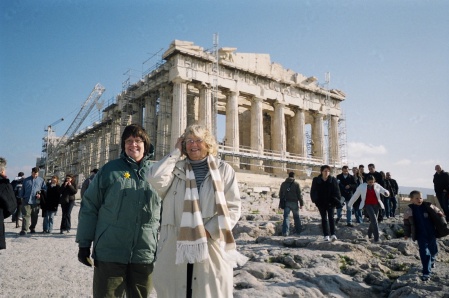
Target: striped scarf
192	239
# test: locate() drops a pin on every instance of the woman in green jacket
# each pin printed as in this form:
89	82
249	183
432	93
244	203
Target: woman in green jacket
120	215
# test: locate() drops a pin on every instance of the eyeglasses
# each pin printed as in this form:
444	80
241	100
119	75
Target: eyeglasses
191	141
132	142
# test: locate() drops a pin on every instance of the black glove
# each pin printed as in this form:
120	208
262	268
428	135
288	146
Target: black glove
84	256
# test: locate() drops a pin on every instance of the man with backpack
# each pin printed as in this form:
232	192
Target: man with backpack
290	194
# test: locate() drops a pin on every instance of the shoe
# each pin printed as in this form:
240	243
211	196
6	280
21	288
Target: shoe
22	233
61	232
350	225
337	220
425	277
32	231
326	238
68	231
432	266
333	238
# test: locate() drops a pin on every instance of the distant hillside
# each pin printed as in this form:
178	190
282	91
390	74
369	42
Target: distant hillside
407	189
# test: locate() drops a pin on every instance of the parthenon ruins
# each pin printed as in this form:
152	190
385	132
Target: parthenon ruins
275	120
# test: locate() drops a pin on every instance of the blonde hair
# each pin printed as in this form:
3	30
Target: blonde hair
203	133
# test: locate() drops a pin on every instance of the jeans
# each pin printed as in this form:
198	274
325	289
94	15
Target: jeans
394	205
327	220
30	214
373	211
294	208
428	249
48	220
358	215
348	212
115	279
66	223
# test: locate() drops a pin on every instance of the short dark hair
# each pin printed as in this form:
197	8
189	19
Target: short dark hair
361	166
370	177
94	171
344	167
291	174
136	130
35	170
21	174
323	167
371	165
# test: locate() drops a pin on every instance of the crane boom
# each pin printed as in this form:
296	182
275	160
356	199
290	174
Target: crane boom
84	111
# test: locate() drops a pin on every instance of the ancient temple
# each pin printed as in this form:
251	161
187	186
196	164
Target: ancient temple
275	120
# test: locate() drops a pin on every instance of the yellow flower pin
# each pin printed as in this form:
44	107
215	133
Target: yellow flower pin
127	175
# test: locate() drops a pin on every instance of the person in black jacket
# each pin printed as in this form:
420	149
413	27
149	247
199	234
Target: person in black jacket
50	203
347	185
68	191
325	193
441	187
8	203
391	202
290	193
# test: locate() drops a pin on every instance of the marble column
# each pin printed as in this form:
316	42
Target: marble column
232	142
163	134
334	157
179	110
318	137
150	117
299	145
256	133
278	136
205	107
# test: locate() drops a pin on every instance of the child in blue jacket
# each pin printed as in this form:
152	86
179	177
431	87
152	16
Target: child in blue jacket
421	220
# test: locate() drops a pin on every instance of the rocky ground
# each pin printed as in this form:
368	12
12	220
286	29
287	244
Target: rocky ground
45	265
306	266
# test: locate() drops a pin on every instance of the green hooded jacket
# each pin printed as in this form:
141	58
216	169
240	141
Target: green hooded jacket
120	213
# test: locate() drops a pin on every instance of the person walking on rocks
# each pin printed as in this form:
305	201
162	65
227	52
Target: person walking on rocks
290	194
370	192
358	179
119	218
325	193
441	187
424	222
391	202
31	194
347	186
196	253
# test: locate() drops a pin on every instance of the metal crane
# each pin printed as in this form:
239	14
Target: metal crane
84	111
48	144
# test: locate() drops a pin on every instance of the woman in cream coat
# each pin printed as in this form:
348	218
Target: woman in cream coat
370	192
213	276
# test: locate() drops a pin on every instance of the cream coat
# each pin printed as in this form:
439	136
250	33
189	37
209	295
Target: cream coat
213	277
361	191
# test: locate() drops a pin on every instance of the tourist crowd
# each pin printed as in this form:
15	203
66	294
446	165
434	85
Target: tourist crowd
181	211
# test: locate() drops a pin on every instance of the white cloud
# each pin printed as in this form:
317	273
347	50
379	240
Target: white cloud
358	149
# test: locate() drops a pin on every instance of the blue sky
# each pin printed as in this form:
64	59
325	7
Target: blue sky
391	58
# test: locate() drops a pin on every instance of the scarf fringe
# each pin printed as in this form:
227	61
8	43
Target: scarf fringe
191	252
